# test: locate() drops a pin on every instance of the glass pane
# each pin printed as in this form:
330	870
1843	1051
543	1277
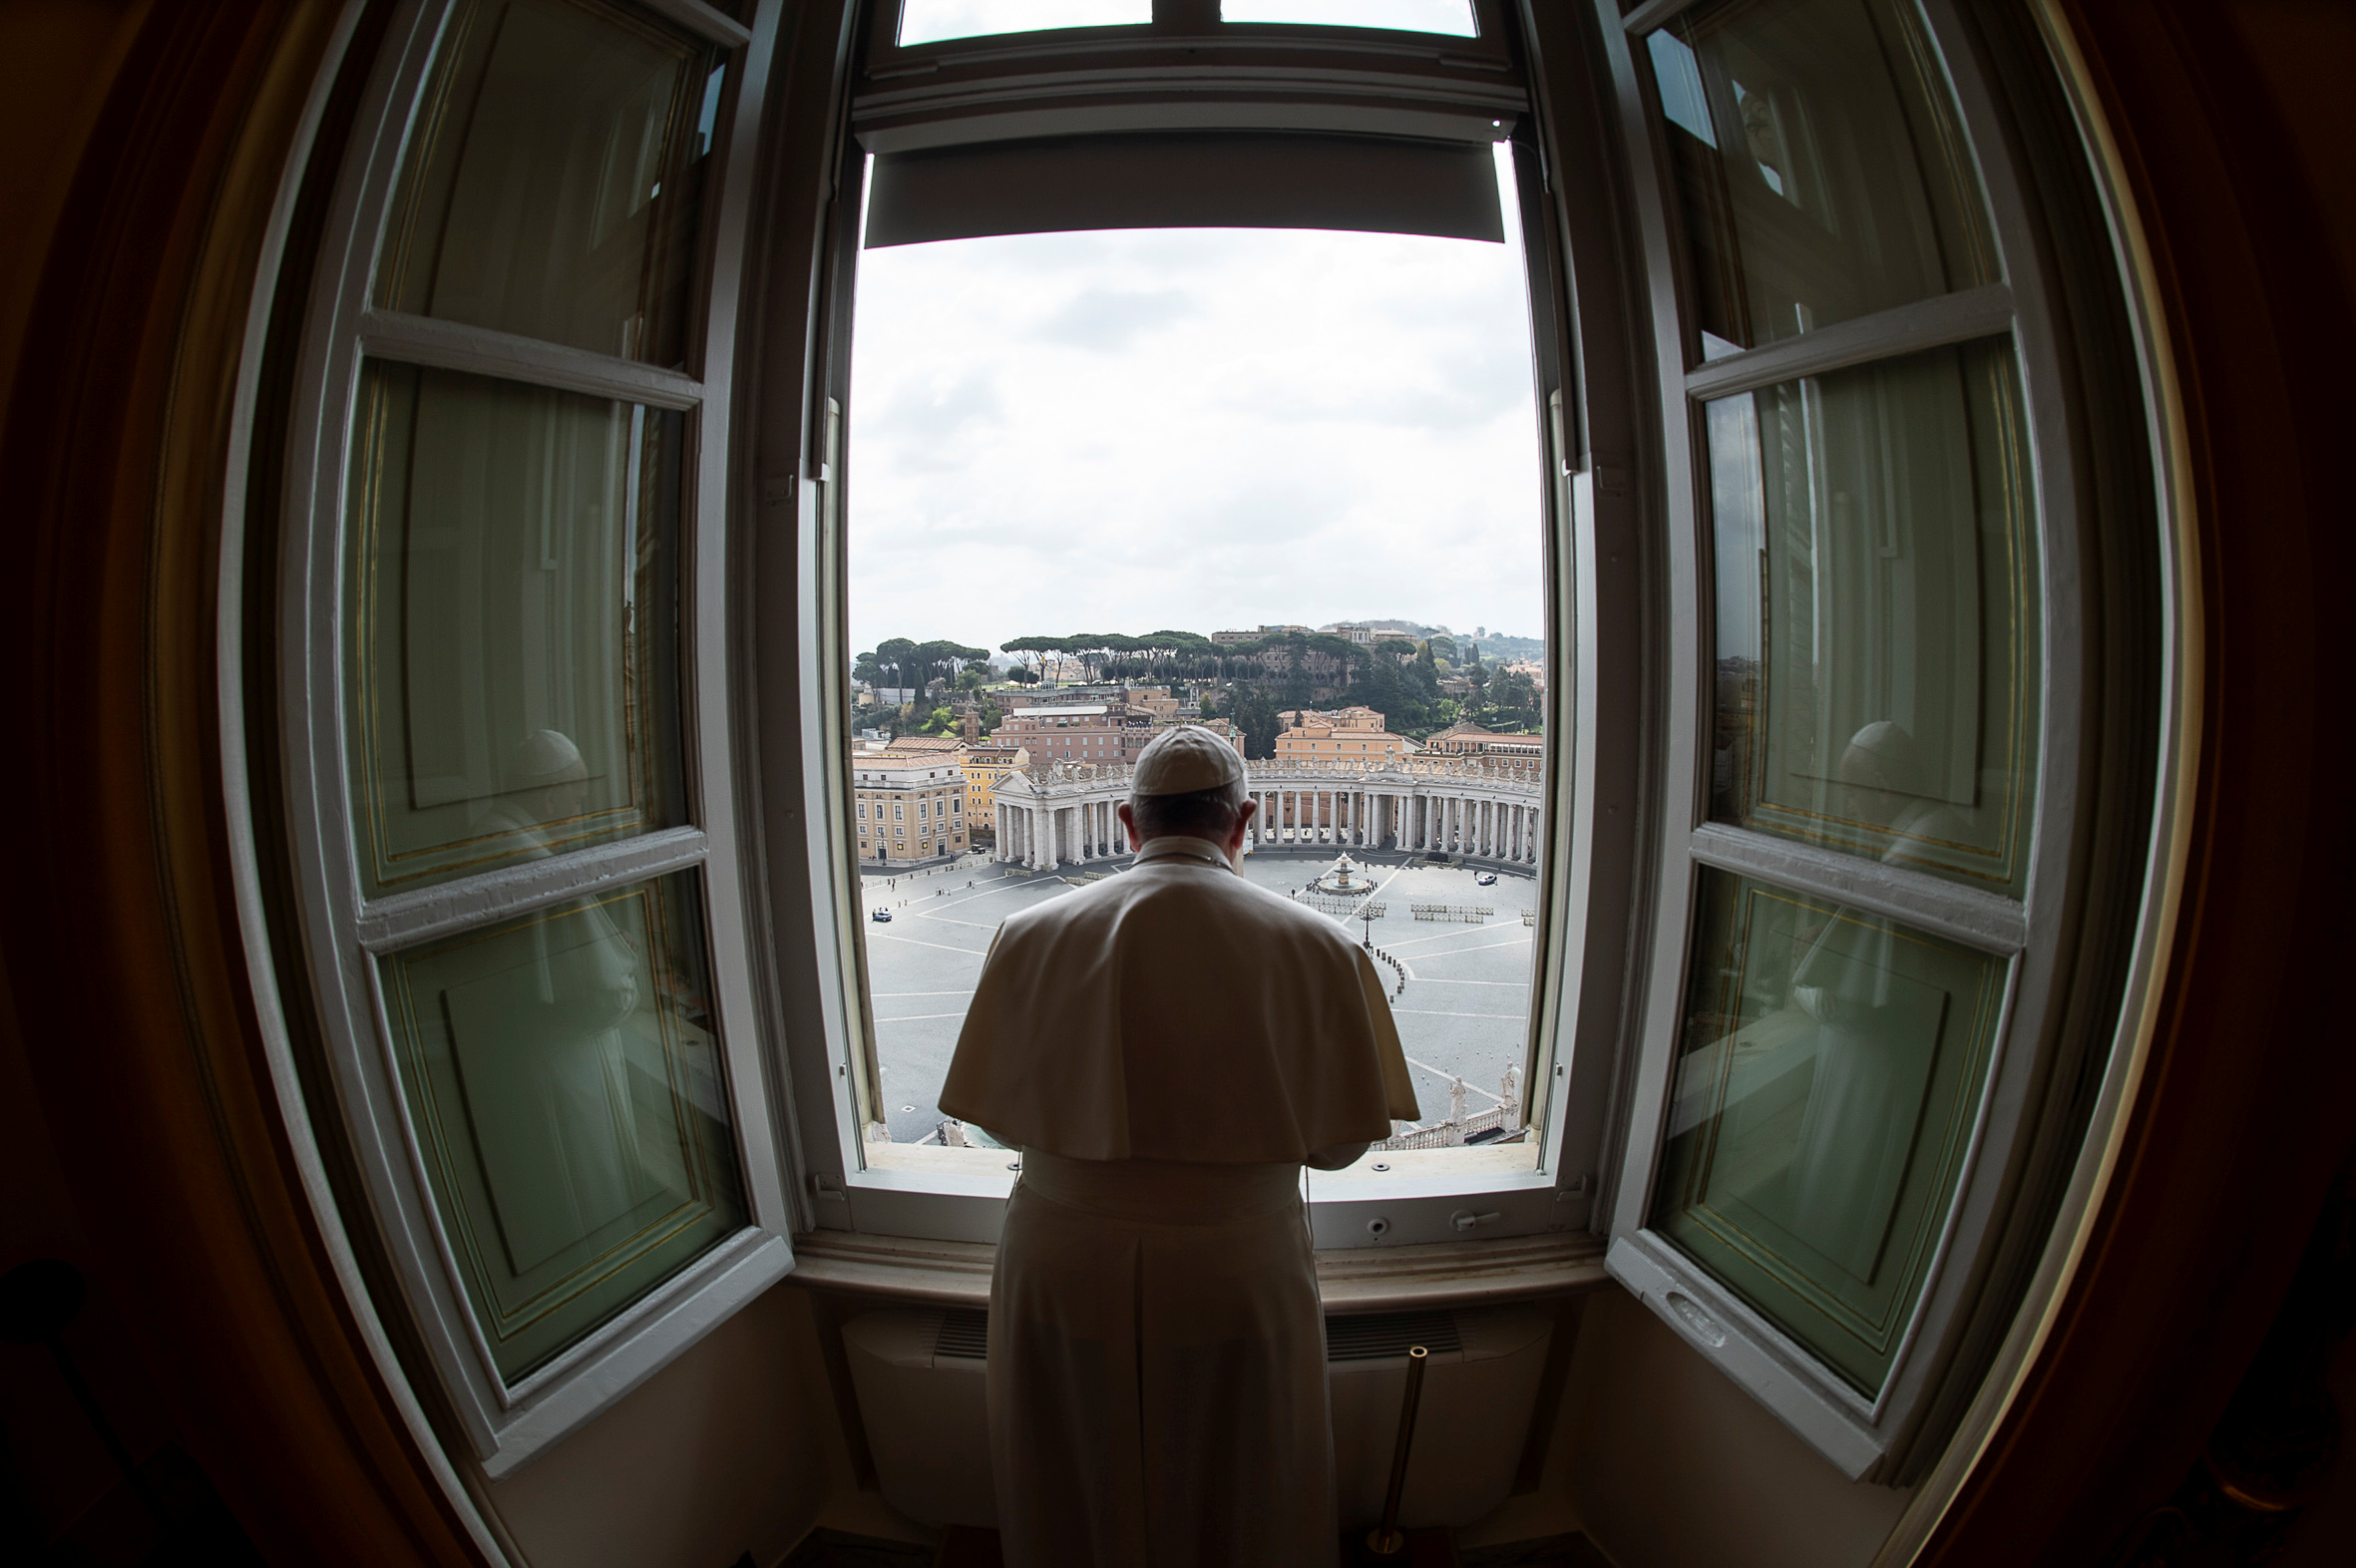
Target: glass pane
552	177
564	1084
1878	649
1829	1072
929	20
513	616
1453	17
1821	168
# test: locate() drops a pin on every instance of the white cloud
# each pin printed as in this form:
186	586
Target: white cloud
1191	428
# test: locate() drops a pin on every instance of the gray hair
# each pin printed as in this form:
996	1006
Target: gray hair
1201	812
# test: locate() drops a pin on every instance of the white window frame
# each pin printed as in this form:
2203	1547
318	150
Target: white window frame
505	1423
1322	78
1867	1438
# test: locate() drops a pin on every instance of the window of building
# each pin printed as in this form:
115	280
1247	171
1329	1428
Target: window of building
1450	17
985	351
1864	923
933	21
526	950
1843	729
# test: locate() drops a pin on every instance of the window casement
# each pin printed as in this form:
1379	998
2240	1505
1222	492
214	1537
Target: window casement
506	714
1298	126
1856	681
1903	702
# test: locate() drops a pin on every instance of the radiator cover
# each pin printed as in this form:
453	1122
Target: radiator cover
918	1375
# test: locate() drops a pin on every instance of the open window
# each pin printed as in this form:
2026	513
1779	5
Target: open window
1019	280
1896	699
519	898
1827	849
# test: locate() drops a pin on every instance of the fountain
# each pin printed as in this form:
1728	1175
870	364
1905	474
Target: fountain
1344	877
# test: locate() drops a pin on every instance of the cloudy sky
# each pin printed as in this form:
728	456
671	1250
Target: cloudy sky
1191	428
922	20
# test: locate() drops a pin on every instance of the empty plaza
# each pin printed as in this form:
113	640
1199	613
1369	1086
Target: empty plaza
1460	991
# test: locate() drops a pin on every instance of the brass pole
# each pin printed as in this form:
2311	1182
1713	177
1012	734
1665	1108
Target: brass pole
1387	1539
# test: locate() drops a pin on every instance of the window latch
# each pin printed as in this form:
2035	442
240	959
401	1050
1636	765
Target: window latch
1465	1219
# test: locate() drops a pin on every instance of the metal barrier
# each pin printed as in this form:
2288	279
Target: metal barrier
1469	914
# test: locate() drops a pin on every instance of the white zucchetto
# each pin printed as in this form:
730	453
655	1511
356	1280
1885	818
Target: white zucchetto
1183	760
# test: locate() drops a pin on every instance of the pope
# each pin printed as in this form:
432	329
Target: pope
1168	1048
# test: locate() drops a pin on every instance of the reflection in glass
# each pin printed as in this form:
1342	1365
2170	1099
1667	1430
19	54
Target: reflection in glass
563	1079
1819	163
1876	613
512	622
1452	17
1830	1070
929	21
552	177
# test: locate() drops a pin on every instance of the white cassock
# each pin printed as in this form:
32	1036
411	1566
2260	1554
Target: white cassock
1167	1047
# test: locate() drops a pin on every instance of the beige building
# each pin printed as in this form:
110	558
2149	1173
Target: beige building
983	766
1467	740
908	806
1223	728
1357	734
1101	732
1156	701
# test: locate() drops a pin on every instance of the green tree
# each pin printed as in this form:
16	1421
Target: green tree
1037	648
1255	716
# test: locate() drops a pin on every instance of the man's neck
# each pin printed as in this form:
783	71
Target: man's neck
1189	844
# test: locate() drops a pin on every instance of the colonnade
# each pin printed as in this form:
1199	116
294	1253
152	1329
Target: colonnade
1042	833
1063	813
1413	818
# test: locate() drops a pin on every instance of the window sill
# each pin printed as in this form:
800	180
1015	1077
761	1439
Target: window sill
1357	1279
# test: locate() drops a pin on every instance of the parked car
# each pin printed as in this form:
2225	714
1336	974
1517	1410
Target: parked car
1486	879
884	916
